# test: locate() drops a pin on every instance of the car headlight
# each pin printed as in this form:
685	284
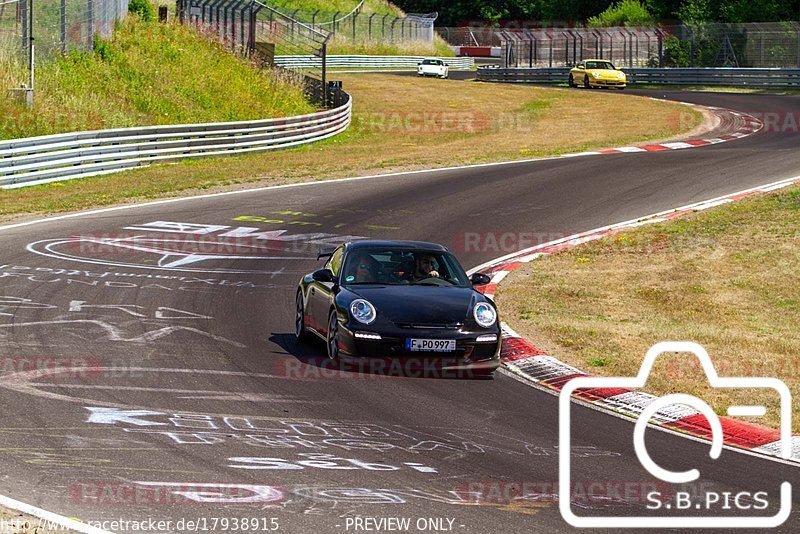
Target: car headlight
485	315
596	74
362	311
621	75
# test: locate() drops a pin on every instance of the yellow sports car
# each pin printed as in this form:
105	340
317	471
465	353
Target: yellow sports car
596	73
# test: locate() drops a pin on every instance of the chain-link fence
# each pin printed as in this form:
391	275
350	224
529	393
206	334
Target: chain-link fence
756	45
47	28
252	28
357	26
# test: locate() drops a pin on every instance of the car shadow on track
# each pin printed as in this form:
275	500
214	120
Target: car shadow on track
307	361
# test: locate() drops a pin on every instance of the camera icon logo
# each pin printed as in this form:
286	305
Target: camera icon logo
675	477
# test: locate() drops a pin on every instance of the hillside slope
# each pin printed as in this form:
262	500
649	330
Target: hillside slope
149	73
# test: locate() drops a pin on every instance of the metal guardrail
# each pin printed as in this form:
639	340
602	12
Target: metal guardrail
36	160
674	76
369	62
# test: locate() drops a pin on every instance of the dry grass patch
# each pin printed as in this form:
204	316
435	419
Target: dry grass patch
400	123
728	279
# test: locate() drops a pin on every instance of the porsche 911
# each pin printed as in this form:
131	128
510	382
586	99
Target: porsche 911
399	299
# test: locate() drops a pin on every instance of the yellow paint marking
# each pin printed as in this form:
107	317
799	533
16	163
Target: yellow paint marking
379	227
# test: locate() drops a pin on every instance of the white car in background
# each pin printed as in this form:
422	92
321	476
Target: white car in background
433	67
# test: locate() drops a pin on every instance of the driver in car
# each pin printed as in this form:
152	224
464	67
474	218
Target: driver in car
424	267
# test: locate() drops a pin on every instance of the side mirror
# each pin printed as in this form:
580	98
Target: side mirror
480	279
323	275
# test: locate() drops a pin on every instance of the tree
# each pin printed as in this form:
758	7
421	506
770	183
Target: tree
623	13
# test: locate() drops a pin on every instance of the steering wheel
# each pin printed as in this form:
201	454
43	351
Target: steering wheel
434	280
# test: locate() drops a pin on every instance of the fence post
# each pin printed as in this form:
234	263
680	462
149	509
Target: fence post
325	74
660	49
355	15
314	18
530	54
90	15
333	26
369	32
23	6
798	47
383	26
252	30
63	26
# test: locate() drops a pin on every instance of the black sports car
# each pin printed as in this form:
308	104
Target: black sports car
400	299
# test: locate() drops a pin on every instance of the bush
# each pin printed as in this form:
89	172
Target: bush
623	13
143	8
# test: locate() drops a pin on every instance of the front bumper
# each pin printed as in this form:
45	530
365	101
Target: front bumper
607	83
469	354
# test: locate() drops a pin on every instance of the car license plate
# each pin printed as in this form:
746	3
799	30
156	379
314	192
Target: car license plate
431	345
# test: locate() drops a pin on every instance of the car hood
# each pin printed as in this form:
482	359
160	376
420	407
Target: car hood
420	305
606	73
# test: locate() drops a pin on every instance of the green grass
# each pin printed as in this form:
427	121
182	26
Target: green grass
147	74
329	7
343	45
727	278
380	44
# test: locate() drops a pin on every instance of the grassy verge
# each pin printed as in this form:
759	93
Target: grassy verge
728	279
719	88
343	45
380	7
400	123
148	73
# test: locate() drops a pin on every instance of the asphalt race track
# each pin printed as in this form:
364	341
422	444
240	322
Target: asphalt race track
157	374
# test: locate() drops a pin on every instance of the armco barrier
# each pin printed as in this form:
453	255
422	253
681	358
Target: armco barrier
367	62
675	76
36	160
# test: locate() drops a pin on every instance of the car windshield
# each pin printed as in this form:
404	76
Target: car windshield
399	266
431	62
599	65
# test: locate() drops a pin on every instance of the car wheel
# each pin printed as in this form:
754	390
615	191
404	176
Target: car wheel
333	336
586	83
300	331
571	82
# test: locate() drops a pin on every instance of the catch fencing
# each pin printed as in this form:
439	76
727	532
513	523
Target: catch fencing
36	160
57	27
781	78
359	26
371	62
252	28
746	45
